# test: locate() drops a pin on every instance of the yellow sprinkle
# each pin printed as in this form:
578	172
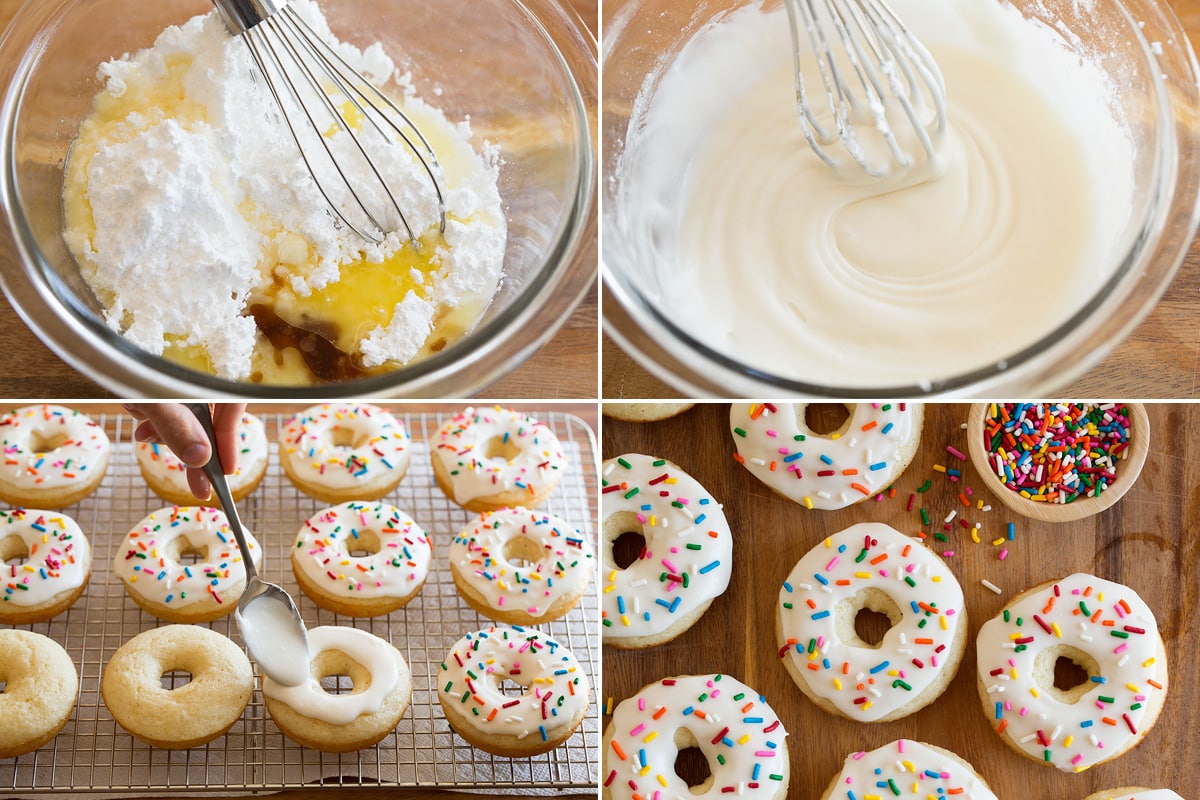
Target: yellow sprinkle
1013	673
625	620
867	705
744	739
1148	661
938	468
652	522
997	542
975	535
942	619
937	578
979	505
837	684
908	765
828	542
644	770
608	589
650	737
808	502
862	574
612	576
1133	687
661	780
29	568
1033	691
1067	741
671	481
1057	630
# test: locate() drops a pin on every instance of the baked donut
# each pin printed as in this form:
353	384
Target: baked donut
187	716
392	561
827	471
1134	793
39	693
907	768
342	452
167	475
644	412
686	560
53	456
555	565
58	562
341	723
486	459
553	702
1108	632
148	563
871	566
732	725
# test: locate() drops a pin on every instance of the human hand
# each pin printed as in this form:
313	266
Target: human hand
175	426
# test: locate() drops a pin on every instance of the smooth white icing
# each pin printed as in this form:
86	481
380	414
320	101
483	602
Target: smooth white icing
462	445
325	542
1110	715
143	564
868	683
58	560
252	454
556	688
308	443
728	720
687	537
905	768
310	700
1149	794
276	643
25	466
479	553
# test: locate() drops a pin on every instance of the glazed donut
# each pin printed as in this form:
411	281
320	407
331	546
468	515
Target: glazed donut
907	768
39	693
167	475
873	566
644	412
731	724
56	570
53	456
553	704
188	716
393	561
686	561
1134	793
341	723
556	571
826	471
147	562
1108	631
487	459
339	452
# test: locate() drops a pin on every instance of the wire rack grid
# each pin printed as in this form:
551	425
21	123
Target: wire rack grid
94	754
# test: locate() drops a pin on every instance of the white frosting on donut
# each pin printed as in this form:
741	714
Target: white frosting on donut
688	556
556	689
252	453
1109	623
144	559
480	552
735	729
80	444
1147	794
527	453
869	683
400	565
58	556
310	700
905	768
822	471
379	444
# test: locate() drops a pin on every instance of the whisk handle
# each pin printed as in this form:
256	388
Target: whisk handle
242	15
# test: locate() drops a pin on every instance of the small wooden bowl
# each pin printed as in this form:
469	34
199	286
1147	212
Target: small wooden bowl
1128	469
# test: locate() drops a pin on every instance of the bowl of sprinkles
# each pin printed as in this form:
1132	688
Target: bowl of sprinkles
1058	461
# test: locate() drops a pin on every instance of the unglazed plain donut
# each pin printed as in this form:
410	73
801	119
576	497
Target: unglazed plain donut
826	471
53	456
166	475
58	563
192	714
39	693
686	561
1134	793
1109	632
554	701
873	566
644	412
732	725
555	569
905	768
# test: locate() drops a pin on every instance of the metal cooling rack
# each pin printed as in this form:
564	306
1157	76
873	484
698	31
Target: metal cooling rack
94	754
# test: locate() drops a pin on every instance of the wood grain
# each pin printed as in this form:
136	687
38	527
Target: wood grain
1149	541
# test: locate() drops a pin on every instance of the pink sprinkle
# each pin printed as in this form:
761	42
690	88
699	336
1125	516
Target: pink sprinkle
764	753
832	563
954	452
948	554
1003	554
1078	757
641	727
641	704
1122	648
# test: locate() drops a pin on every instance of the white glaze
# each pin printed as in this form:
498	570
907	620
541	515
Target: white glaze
159	460
1076	735
58	560
478	553
1149	794
823	471
307	442
675	511
274	640
727	719
912	652
310	700
462	445
908	764
26	467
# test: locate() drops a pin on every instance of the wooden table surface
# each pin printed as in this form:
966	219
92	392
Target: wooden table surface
566	367
1150	541
1160	359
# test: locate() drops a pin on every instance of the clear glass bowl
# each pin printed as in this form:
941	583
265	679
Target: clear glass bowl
524	71
1139	43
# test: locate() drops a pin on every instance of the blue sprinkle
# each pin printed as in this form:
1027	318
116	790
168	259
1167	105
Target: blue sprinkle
880	667
821	614
827	459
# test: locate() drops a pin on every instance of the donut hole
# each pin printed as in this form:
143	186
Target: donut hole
337	684
40	442
1065	673
864	619
691	765
348	438
338	673
510	688
827	420
182	551
501	447
522	552
13	551
175	679
624	538
364	545
3	686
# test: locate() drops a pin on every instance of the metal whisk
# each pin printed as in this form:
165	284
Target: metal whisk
308	78
875	72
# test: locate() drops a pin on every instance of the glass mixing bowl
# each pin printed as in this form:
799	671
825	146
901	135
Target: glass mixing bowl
1139	43
524	71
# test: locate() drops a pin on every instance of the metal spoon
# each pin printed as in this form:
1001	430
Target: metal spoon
267	618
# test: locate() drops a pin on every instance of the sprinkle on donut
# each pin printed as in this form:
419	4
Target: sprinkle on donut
57	556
